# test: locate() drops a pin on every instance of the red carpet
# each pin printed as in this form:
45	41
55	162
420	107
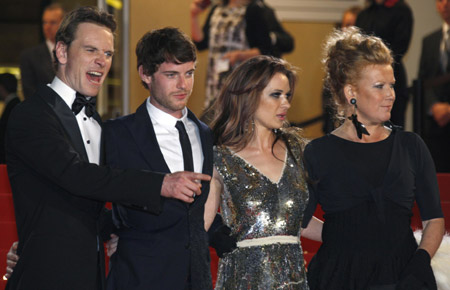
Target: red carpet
9	234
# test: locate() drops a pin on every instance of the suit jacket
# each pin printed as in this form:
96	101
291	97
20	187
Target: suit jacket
157	251
436	137
36	68
3	123
58	196
284	42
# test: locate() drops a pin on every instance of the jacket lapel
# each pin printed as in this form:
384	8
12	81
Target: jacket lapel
206	140
66	117
144	135
97	118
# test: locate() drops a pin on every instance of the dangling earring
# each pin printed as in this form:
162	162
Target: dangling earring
249	125
360	128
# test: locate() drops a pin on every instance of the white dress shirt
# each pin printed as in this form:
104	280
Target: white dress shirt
90	129
445	46
169	141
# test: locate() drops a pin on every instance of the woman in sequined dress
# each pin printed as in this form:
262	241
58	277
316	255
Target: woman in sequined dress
259	179
367	176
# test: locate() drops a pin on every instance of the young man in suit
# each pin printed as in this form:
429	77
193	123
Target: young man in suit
168	250
435	64
53	154
8	94
36	63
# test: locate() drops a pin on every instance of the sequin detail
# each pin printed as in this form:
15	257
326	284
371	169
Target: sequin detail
255	207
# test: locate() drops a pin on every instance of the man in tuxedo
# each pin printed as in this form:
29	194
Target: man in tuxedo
8	90
435	65
36	63
53	157
169	250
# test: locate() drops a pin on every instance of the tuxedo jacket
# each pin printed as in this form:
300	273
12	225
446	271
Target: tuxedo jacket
58	196
436	137
3	123
36	68
157	251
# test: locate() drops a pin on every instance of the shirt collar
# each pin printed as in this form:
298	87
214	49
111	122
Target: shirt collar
63	90
164	119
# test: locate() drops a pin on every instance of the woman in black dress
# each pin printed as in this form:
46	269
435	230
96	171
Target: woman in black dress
366	175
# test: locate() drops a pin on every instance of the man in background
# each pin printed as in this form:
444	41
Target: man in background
36	63
8	95
434	70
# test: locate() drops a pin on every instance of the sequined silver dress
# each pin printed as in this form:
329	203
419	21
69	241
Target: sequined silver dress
254	207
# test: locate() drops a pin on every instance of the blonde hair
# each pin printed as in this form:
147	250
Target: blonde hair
346	54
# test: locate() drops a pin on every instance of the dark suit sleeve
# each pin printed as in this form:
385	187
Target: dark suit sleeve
284	42
37	142
204	43
423	62
429	66
403	33
257	31
28	78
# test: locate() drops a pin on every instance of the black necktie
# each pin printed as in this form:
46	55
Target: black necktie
80	102
185	146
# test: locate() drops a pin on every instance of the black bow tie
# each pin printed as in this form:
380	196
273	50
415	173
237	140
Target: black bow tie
80	102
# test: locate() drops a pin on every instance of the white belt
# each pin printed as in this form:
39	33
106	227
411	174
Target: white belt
268	241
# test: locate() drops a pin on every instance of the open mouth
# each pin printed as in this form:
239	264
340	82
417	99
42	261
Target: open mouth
94	77
281	116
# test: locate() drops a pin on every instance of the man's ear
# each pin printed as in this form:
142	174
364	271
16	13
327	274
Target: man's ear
145	78
61	52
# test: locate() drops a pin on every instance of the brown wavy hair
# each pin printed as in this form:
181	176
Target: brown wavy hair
240	96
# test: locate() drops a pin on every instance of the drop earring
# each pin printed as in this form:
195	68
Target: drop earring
360	128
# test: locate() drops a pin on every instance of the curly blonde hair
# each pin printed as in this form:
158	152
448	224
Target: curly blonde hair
346	54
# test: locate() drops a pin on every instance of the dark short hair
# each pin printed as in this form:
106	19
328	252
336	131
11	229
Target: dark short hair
164	45
55	6
9	82
86	14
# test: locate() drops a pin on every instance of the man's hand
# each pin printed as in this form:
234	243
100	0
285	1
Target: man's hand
184	185
111	245
441	113
11	260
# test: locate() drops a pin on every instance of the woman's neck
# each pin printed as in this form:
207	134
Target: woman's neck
348	131
262	139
